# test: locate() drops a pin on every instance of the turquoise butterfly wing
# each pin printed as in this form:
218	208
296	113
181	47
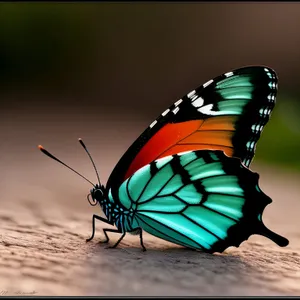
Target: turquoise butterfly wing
199	199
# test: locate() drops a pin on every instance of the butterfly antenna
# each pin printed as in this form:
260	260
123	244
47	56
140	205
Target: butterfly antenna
53	157
88	153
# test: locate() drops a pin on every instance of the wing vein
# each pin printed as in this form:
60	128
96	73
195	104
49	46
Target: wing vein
172	229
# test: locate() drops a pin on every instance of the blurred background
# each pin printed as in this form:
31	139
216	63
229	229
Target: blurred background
105	71
75	68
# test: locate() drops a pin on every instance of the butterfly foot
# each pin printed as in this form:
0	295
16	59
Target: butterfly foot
144	249
88	240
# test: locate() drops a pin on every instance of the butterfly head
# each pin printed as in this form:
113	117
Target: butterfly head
96	195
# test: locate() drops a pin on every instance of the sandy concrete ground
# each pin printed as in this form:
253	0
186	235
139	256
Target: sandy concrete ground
45	220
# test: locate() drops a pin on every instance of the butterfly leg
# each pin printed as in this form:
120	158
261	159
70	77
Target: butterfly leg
100	219
119	240
123	235
105	230
141	240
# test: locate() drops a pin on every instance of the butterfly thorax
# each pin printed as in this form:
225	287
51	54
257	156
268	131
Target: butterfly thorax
119	215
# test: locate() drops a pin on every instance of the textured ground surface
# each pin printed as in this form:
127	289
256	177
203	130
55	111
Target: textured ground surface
45	220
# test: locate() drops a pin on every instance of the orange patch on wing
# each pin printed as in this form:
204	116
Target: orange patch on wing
214	133
222	138
164	139
220	123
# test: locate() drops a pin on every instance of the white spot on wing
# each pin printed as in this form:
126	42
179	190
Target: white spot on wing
207	83
175	111
153	123
165	112
189	95
228	74
178	102
271	97
207	110
198	102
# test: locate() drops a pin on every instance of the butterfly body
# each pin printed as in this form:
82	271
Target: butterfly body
115	214
186	179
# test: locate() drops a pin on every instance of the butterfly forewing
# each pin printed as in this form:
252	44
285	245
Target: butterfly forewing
227	113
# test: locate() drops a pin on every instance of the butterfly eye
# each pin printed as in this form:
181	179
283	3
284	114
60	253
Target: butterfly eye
98	194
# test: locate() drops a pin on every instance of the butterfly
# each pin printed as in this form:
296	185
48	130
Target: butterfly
186	178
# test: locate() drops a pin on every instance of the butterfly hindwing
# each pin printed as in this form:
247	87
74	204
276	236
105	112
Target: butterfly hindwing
227	113
199	199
